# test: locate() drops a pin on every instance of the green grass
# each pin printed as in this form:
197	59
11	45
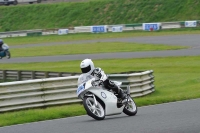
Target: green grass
99	47
176	78
40	114
104	12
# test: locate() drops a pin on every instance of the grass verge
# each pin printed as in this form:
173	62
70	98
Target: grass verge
176	78
34	115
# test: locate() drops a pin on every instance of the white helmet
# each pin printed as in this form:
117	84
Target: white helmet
87	66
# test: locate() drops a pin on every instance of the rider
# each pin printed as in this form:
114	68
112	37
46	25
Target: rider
89	71
3	48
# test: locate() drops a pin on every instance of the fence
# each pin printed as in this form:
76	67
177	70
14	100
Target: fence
87	29
15	75
58	91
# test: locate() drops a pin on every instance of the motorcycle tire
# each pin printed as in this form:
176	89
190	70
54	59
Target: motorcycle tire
95	111
8	55
130	108
15	2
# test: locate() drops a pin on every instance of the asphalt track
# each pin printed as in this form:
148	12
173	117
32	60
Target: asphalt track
183	40
177	117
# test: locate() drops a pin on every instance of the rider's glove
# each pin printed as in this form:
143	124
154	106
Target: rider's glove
99	74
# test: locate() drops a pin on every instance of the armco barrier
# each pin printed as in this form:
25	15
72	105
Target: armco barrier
170	25
34	34
18	33
17	75
57	91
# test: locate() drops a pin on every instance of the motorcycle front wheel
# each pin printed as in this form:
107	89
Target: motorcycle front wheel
130	108
95	111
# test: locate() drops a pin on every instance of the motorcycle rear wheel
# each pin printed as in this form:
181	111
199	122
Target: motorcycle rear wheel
8	55
130	108
95	111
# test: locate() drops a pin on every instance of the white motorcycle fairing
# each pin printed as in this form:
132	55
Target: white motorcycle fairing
110	101
108	98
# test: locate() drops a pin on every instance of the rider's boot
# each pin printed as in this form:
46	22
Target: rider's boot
122	95
111	85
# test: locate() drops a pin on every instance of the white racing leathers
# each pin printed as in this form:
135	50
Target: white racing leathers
97	73
100	76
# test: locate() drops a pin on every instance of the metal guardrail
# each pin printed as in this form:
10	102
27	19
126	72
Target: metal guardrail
58	91
17	75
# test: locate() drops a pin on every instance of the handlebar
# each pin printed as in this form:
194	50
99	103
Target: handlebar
96	83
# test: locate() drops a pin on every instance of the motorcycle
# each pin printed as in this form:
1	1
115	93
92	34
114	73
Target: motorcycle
5	52
100	102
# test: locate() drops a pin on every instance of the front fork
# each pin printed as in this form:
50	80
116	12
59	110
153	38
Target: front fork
92	95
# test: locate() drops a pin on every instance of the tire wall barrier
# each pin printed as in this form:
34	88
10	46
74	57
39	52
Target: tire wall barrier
62	90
